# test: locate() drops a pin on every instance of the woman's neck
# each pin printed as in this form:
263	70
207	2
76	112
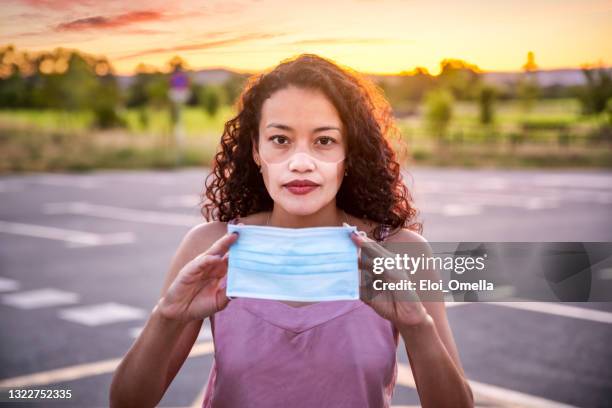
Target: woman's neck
329	216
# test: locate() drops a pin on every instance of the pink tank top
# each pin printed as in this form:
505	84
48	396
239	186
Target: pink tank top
269	354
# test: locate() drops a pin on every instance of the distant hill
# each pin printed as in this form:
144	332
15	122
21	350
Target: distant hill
204	76
563	77
546	78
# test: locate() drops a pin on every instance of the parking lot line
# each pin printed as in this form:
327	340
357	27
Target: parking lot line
104	313
35	299
72	238
184	201
66	181
79	371
8	285
486	394
122	214
559	310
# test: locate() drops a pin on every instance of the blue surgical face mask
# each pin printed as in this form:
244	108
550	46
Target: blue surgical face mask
298	264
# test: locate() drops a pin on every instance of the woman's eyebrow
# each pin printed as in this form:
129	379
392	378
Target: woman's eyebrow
289	128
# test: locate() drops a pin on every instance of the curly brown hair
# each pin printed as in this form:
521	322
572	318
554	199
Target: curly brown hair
373	188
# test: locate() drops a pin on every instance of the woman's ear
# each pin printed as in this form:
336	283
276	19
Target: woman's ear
256	157
255	154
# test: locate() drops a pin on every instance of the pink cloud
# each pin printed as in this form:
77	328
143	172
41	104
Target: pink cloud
60	4
106	22
200	46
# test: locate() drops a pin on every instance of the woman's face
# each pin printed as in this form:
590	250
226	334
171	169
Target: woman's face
301	137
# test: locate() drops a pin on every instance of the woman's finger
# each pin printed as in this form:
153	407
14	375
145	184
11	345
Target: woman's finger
221	299
216	270
208	265
371	248
222	245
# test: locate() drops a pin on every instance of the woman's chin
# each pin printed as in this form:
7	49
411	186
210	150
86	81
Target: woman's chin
300	207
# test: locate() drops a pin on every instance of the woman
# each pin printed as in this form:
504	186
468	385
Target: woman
309	147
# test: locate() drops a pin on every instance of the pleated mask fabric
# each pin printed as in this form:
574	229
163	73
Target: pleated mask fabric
295	264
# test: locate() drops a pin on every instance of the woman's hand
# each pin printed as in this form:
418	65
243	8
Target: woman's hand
198	290
402	307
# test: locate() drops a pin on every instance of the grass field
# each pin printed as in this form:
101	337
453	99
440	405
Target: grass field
52	140
196	121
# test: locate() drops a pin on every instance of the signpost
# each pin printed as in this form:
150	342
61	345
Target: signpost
179	94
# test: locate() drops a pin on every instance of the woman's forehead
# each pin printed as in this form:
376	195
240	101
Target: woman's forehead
295	107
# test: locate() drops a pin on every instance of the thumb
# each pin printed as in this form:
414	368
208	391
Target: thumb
221	299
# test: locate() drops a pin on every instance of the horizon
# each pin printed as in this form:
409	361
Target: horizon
252	36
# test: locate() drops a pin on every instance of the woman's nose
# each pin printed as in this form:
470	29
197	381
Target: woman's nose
301	162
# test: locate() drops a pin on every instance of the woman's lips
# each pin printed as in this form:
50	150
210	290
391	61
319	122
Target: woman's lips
299	190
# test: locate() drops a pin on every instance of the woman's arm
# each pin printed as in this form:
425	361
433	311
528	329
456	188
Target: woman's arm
433	356
150	365
139	380
431	349
435	364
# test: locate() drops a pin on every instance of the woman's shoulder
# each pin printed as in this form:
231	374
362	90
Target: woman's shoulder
203	235
406	235
396	235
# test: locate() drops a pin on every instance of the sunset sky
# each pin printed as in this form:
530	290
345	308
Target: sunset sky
367	35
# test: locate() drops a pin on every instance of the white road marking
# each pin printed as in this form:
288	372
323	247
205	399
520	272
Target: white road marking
72	238
105	313
483	393
559	310
158	179
34	299
66	181
513	398
123	214
9	187
204	335
183	201
605	273
492	183
8	285
500	292
573	180
487	394
458	210
76	372
478	199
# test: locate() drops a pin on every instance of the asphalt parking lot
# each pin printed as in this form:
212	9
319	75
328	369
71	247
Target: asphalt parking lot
82	261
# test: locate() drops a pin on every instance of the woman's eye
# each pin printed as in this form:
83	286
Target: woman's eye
278	139
326	141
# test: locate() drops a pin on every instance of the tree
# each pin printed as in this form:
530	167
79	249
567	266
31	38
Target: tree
527	87
106	103
177	63
487	104
210	99
597	90
405	91
233	87
530	65
460	77
439	111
